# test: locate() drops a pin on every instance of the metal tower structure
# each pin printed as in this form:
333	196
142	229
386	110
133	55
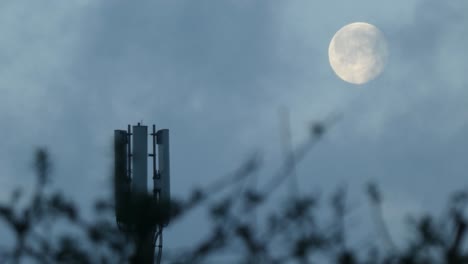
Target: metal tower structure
138	213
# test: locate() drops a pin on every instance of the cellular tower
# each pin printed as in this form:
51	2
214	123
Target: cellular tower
140	212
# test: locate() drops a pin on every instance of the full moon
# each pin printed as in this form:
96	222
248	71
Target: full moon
358	52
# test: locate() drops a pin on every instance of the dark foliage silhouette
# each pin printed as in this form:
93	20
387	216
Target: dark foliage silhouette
294	232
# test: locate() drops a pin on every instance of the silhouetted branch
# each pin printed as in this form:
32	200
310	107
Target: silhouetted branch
292	232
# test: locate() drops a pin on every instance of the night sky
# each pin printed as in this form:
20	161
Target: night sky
215	73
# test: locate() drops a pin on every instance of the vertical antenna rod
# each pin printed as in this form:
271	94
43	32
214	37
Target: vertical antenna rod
155	171
129	153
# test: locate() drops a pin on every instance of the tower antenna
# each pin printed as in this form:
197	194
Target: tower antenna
139	214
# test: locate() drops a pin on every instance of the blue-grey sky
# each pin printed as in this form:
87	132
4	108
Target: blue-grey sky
215	73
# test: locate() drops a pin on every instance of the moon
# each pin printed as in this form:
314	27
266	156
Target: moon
358	52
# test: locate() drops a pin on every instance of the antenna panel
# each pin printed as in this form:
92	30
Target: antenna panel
140	160
121	183
164	172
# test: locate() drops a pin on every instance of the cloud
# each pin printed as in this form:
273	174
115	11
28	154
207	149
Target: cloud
215	73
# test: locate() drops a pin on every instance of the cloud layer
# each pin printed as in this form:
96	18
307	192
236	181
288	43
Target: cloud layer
216	72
